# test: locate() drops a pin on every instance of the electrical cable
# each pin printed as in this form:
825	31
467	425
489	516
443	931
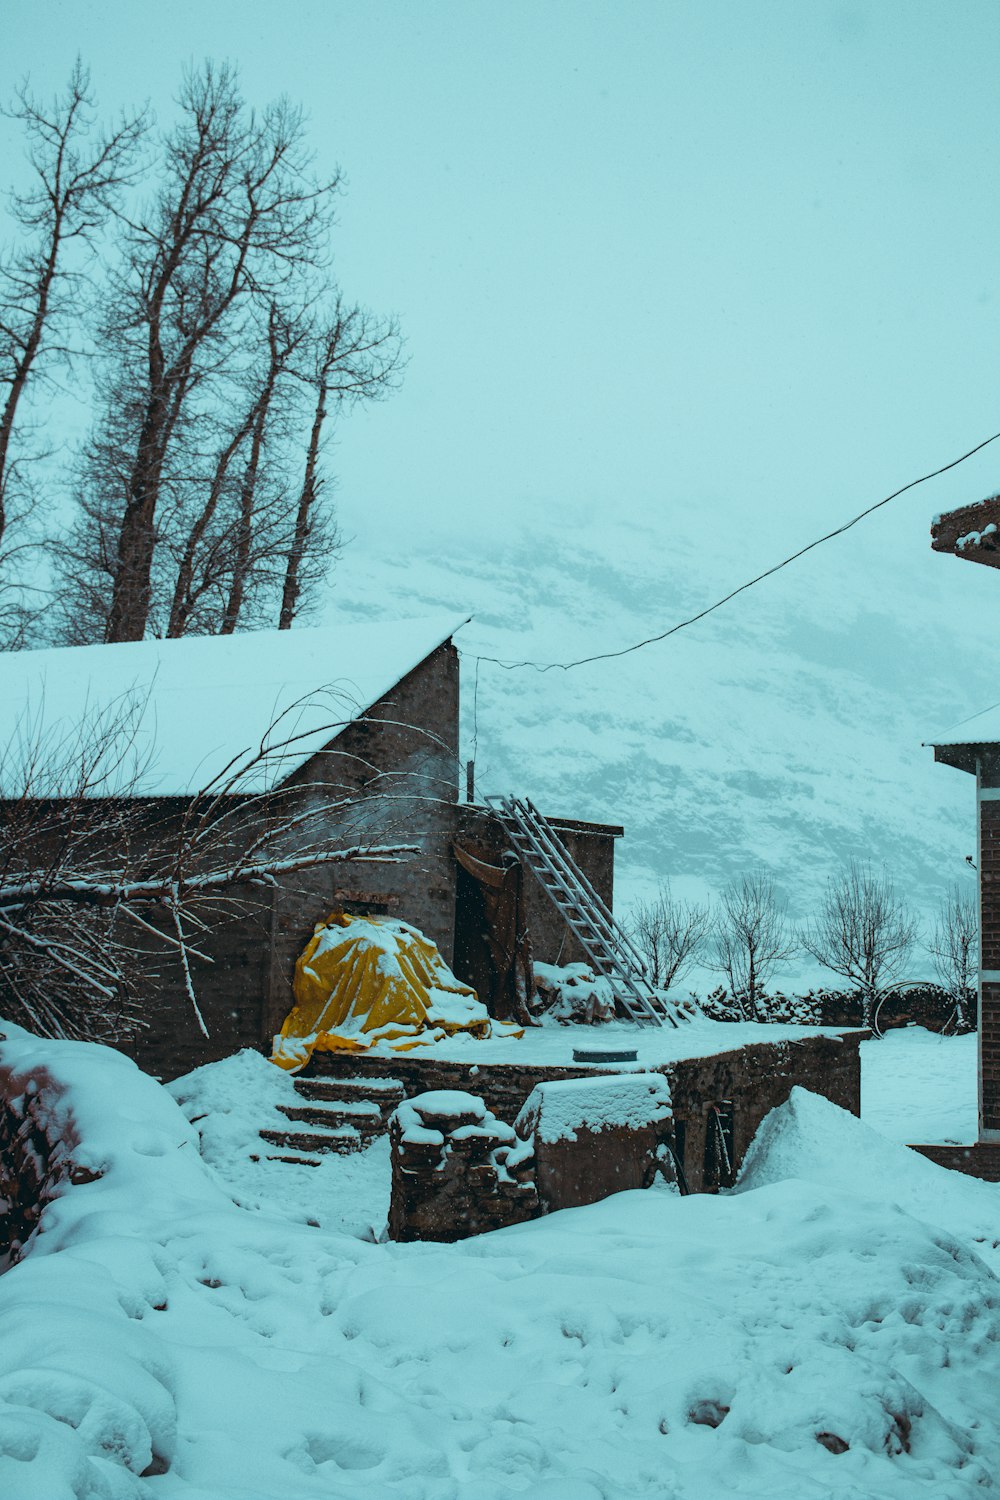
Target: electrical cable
565	666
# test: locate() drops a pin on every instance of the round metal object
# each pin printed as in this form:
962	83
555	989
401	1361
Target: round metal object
604	1055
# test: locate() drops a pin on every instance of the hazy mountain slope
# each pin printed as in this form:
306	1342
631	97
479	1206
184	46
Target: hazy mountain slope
785	728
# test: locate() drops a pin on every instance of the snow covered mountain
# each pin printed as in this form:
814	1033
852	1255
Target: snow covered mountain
784	729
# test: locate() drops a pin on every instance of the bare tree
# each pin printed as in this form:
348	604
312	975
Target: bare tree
231	547
670	934
955	949
750	938
77	175
227	353
863	932
237	217
101	886
355	357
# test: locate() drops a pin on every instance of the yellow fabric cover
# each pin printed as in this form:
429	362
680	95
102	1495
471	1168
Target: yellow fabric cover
367	981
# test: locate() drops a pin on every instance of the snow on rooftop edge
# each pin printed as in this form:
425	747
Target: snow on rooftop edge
982	728
202	701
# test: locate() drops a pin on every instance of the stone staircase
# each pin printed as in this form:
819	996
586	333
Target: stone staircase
336	1114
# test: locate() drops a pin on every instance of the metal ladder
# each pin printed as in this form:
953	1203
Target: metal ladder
610	949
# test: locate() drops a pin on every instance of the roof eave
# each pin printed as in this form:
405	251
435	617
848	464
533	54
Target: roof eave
970	525
962	757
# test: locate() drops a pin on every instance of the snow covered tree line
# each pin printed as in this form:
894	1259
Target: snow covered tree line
862	932
180	276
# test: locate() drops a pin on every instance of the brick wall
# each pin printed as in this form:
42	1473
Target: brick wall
980	1159
989	1020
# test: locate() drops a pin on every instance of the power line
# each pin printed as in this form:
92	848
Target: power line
565	666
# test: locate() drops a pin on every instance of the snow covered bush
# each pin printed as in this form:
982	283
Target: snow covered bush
771	1006
573	994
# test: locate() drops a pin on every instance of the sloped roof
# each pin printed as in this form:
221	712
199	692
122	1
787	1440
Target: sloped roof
972	532
196	704
957	746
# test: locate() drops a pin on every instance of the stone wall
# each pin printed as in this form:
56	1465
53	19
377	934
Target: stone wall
744	1085
398	769
399	765
591	845
926	1005
456	1170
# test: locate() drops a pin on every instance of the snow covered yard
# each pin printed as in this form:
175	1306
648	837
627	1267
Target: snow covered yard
918	1086
829	1329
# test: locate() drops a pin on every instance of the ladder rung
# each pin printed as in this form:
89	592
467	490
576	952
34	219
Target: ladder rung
608	947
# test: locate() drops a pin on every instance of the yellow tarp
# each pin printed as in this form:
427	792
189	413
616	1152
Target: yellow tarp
365	981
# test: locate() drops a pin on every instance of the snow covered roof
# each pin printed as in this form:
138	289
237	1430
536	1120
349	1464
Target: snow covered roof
970	532
194	705
957	746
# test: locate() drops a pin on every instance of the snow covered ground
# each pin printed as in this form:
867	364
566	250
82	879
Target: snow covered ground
553	1045
829	1329
918	1086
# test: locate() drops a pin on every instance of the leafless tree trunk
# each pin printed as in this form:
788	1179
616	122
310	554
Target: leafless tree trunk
670	934
236	217
185	593
284	336
955	949
78	174
863	932
750	938
357	357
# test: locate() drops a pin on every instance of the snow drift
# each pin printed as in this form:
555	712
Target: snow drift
829	1330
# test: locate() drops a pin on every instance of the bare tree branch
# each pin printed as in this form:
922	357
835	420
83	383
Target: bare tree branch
85	855
78	173
750	938
670	935
863	932
955	949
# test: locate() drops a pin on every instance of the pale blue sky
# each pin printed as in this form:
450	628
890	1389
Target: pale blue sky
731	260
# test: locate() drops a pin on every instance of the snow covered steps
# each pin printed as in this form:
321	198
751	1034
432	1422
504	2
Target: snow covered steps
342	1115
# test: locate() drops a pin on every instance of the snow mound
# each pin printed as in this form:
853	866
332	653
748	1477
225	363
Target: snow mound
810	1139
230	1102
829	1331
87	1393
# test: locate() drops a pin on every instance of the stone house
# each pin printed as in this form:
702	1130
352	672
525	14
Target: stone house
973	533
364	717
